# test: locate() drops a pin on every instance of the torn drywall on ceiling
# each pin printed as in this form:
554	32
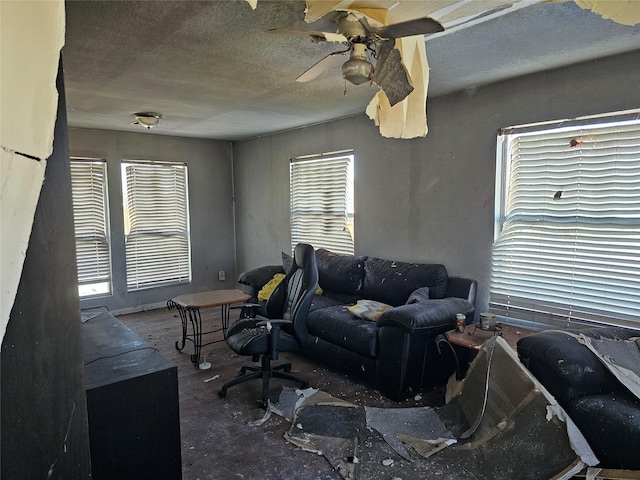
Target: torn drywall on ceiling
624	12
407	118
32	36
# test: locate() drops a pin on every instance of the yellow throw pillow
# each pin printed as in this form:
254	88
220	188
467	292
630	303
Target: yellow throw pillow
268	288
369	309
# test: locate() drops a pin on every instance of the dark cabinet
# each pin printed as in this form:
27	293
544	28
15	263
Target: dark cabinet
132	403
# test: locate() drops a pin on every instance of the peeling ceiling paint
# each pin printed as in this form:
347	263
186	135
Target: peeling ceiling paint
624	12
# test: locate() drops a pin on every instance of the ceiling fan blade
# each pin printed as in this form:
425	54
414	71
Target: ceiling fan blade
323	65
419	26
315	35
390	74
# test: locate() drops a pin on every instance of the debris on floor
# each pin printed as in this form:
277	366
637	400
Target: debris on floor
498	413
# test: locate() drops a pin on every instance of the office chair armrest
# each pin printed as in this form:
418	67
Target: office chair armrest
243	305
274	333
279	322
248	310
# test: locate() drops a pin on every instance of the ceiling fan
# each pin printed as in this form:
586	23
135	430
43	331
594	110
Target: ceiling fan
371	51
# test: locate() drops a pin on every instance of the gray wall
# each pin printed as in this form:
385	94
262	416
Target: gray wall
428	199
210	207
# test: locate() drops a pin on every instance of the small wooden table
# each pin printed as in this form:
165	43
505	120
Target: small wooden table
189	306
474	336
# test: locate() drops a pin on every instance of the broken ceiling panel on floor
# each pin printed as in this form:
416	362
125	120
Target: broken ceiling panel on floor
621	357
500	413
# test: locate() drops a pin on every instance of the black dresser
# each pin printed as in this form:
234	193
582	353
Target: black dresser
132	403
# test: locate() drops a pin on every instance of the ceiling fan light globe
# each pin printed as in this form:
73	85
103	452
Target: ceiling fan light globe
357	71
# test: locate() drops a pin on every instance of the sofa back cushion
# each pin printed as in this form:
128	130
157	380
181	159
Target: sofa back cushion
392	282
340	276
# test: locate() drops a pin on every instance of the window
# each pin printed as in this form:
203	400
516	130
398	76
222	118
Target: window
568	222
91	220
156	218
322	201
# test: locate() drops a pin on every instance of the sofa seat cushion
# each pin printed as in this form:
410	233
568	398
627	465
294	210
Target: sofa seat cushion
611	424
338	326
392	282
322	301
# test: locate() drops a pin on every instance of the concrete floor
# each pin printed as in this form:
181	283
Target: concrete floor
218	443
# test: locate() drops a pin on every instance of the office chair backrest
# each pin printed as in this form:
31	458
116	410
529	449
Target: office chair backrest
292	297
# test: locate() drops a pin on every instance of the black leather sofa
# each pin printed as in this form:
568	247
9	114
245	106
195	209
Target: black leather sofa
606	412
396	353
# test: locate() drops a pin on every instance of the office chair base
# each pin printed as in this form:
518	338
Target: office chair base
265	372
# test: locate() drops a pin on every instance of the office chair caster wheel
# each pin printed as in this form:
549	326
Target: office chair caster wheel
242	371
222	392
287	368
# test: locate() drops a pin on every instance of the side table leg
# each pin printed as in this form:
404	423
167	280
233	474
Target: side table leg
196	324
442	340
183	319
225	319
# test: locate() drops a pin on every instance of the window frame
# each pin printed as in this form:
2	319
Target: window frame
94	261
577	310
330	182
156	225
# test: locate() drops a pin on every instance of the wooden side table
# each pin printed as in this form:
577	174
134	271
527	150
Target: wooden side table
189	306
474	337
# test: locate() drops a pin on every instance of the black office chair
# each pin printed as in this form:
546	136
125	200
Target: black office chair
283	328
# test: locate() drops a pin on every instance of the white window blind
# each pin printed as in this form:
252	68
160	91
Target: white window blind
568	234
322	201
156	217
91	221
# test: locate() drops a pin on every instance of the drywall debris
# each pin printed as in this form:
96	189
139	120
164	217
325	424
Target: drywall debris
265	417
400	425
625	13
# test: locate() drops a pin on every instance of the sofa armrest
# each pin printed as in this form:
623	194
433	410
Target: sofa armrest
437	315
408	359
567	368
254	280
462	288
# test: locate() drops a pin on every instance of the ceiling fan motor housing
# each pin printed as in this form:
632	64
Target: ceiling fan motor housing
351	27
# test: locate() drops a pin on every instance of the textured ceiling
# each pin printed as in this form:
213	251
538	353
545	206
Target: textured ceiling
213	71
